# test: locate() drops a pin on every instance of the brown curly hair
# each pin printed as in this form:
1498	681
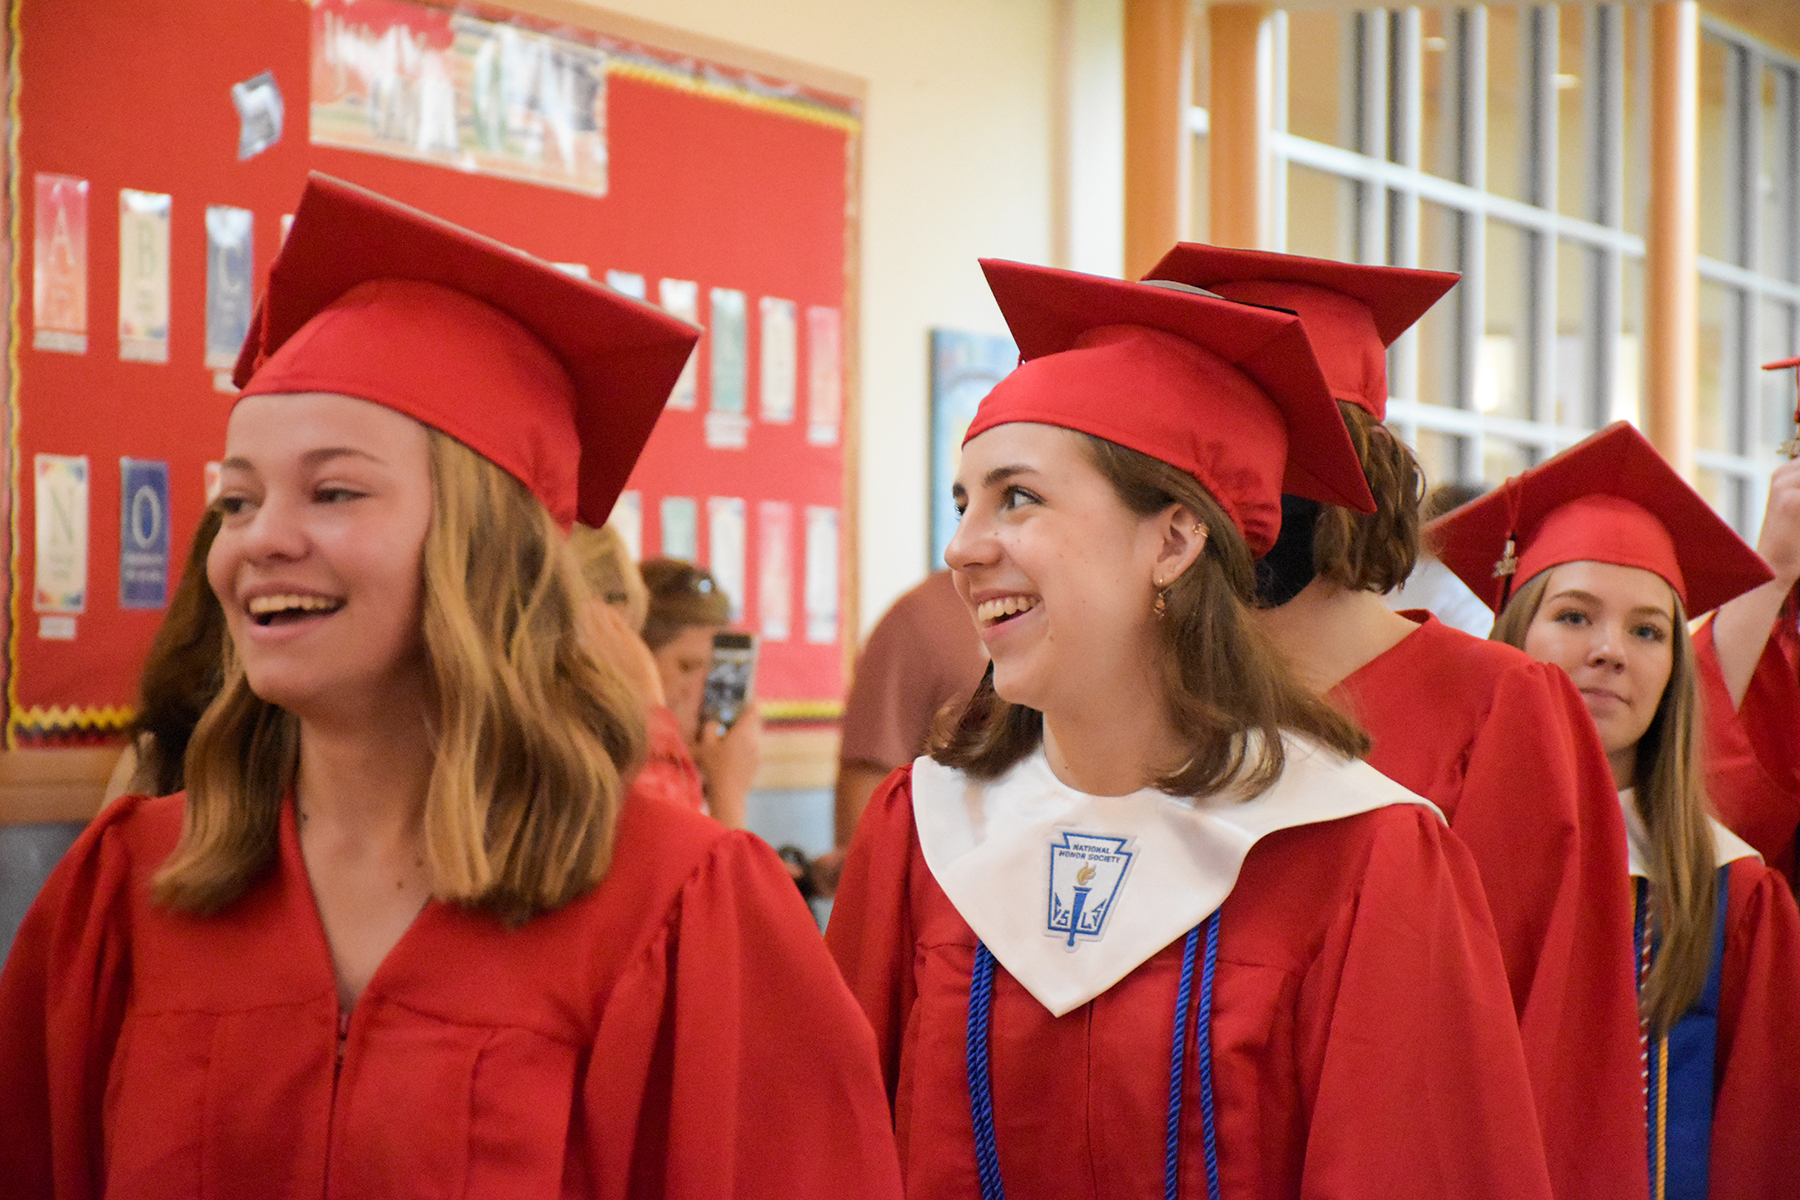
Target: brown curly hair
1373	552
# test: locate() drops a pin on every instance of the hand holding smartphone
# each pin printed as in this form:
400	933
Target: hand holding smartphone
730	679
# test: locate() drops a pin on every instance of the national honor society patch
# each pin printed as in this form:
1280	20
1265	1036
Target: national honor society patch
1086	872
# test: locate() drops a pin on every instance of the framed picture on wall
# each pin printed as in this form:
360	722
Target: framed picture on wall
964	368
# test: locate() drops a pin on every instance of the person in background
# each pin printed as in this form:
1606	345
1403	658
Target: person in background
1495	740
408	932
686	609
1433	587
620	605
1748	658
181	675
1594	559
922	658
1141	925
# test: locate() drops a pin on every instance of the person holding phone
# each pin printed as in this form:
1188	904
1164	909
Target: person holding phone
688	611
410	930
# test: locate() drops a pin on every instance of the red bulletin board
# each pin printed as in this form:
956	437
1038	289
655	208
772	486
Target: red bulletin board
677	166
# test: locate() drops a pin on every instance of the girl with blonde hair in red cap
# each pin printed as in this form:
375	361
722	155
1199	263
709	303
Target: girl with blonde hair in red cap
1593	561
410	931
1140	923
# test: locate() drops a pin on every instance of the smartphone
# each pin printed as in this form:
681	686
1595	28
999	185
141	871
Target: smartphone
730	678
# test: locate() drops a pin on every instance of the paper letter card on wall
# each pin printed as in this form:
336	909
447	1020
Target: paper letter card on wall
60	567
59	265
143	533
143	276
229	281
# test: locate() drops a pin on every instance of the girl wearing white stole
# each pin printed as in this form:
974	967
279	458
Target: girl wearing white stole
1141	922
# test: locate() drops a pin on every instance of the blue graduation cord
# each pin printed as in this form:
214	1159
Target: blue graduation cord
981	1097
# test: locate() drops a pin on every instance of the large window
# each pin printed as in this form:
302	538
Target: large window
1510	144
1749	273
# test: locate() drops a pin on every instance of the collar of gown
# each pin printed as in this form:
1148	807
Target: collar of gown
1727	846
1011	853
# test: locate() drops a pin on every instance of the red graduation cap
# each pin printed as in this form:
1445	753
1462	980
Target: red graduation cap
1609	498
555	379
1229	393
1352	312
1791	447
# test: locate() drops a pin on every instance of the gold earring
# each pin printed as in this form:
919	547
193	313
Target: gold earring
1160	605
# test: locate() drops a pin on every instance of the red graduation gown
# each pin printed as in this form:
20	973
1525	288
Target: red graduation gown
1362	1040
679	1031
1755	1151
1753	750
1506	748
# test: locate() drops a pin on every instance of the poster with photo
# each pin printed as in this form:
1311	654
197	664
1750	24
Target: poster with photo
143	276
59	265
412	80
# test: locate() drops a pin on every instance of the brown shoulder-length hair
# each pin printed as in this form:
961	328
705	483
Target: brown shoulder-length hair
182	673
1373	552
1671	799
534	737
1230	695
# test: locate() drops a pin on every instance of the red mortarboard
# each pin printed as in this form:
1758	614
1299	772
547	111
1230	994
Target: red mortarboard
1352	312
1791	447
1609	498
555	379
1227	392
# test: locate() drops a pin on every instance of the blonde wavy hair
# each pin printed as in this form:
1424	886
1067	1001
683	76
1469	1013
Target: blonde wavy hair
1671	799
535	738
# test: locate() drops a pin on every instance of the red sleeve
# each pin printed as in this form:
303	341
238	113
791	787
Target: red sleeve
1755	1134
1753	752
730	1060
1421	1088
1540	814
62	1000
871	930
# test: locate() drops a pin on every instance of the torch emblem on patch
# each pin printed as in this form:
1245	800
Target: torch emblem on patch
1086	873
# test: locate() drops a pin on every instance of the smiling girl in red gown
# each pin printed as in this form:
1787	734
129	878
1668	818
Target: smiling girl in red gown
1142	925
410	932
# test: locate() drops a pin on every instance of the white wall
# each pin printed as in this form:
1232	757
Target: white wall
960	156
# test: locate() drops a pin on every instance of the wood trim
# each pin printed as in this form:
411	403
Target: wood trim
1240	114
1672	247
806	757
66	785
53	785
1158	91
